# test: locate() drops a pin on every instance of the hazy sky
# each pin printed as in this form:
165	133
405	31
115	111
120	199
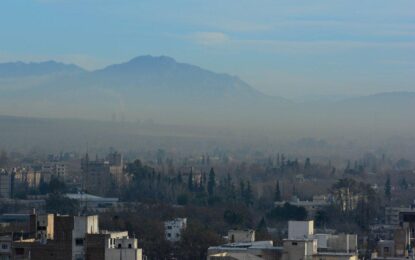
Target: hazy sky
287	48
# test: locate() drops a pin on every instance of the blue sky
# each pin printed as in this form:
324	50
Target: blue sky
291	48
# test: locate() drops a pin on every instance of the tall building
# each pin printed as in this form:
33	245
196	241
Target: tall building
6	181
100	174
53	170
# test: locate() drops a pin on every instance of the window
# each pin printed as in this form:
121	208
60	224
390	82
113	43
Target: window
294	243
4	246
168	235
129	245
79	241
386	249
119	245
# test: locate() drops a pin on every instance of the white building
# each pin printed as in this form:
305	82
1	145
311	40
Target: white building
5	247
53	169
173	229
318	202
113	245
83	225
295	249
300	229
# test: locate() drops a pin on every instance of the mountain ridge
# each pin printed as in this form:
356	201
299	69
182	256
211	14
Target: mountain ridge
167	91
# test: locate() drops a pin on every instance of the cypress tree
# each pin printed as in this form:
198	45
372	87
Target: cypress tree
277	196
211	182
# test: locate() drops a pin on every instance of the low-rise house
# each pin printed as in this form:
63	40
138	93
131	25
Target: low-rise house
301	244
235	236
112	245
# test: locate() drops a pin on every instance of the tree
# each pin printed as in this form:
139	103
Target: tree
58	203
388	188
43	186
56	186
287	212
211	182
321	218
233	218
307	163
261	231
195	241
190	181
182	199
403	184
248	194
355	203
277	196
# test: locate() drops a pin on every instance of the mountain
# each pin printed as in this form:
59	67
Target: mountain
163	76
171	92
145	87
22	69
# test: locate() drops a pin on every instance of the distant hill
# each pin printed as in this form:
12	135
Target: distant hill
21	69
170	92
144	87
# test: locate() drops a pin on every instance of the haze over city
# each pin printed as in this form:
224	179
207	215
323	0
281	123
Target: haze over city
217	130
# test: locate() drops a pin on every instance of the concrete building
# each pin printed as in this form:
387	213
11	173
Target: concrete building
69	234
300	229
334	256
70	238
5	247
246	250
299	249
236	236
53	170
6	184
392	214
301	244
386	248
344	243
173	229
44	226
112	246
28	176
100	174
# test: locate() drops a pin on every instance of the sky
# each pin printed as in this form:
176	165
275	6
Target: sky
299	49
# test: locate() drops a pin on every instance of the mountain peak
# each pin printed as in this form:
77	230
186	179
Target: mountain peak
150	58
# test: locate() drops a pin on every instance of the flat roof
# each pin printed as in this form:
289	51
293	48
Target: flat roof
90	197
